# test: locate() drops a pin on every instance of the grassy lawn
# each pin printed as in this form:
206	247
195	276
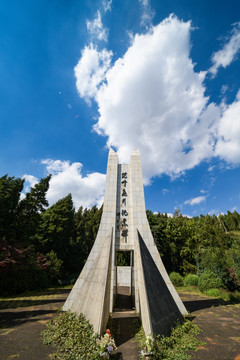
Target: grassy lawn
30	298
214	293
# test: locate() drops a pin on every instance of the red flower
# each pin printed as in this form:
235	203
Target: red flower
108	332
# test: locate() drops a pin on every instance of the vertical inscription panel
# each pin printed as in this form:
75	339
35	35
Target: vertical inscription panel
123	209
124	204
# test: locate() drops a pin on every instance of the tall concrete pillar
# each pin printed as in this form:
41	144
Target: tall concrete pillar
124	227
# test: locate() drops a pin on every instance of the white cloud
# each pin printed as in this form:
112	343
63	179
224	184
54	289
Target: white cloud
91	71
96	28
228	145
107	5
55	167
228	53
215	212
165	191
187	216
147	13
195	201
67	178
211	168
32	180
153	99
22	196
224	89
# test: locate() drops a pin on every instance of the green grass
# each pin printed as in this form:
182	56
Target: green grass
214	293
189	289
47	291
32	298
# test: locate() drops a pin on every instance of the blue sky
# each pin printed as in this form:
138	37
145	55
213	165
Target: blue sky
80	76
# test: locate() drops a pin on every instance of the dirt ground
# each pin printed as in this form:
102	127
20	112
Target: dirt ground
220	324
23	318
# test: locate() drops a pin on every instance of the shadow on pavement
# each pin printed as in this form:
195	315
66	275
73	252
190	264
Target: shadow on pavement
14	304
194	305
10	319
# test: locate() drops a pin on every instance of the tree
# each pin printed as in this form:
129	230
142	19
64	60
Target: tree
29	211
55	229
86	224
21	267
10	190
231	220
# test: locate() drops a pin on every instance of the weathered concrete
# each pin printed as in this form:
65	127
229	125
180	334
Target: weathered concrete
123	219
158	308
124	276
96	303
94	298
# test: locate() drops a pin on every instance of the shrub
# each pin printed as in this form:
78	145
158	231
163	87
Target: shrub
176	279
213	292
40	279
73	278
177	345
224	295
74	337
191	279
220	263
55	266
208	280
16	281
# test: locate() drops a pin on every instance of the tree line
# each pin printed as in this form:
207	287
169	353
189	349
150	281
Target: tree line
41	245
199	244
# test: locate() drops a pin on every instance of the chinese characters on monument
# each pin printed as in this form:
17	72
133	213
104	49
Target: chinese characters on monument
122	216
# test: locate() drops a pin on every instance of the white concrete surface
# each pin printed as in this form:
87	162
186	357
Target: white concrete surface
123	215
124	276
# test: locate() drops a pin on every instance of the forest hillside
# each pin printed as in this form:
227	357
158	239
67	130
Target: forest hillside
42	246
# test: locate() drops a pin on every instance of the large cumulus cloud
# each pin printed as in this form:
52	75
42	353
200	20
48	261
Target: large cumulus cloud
154	99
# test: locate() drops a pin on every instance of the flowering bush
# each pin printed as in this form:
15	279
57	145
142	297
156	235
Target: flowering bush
106	344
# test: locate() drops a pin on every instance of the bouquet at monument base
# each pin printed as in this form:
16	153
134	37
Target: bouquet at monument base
106	345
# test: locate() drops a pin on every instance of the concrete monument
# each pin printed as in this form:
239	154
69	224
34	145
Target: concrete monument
124	227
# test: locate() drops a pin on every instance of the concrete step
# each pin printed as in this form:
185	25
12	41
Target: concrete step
125	314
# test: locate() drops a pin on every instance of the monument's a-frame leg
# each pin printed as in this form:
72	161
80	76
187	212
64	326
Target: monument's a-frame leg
159	310
124	227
